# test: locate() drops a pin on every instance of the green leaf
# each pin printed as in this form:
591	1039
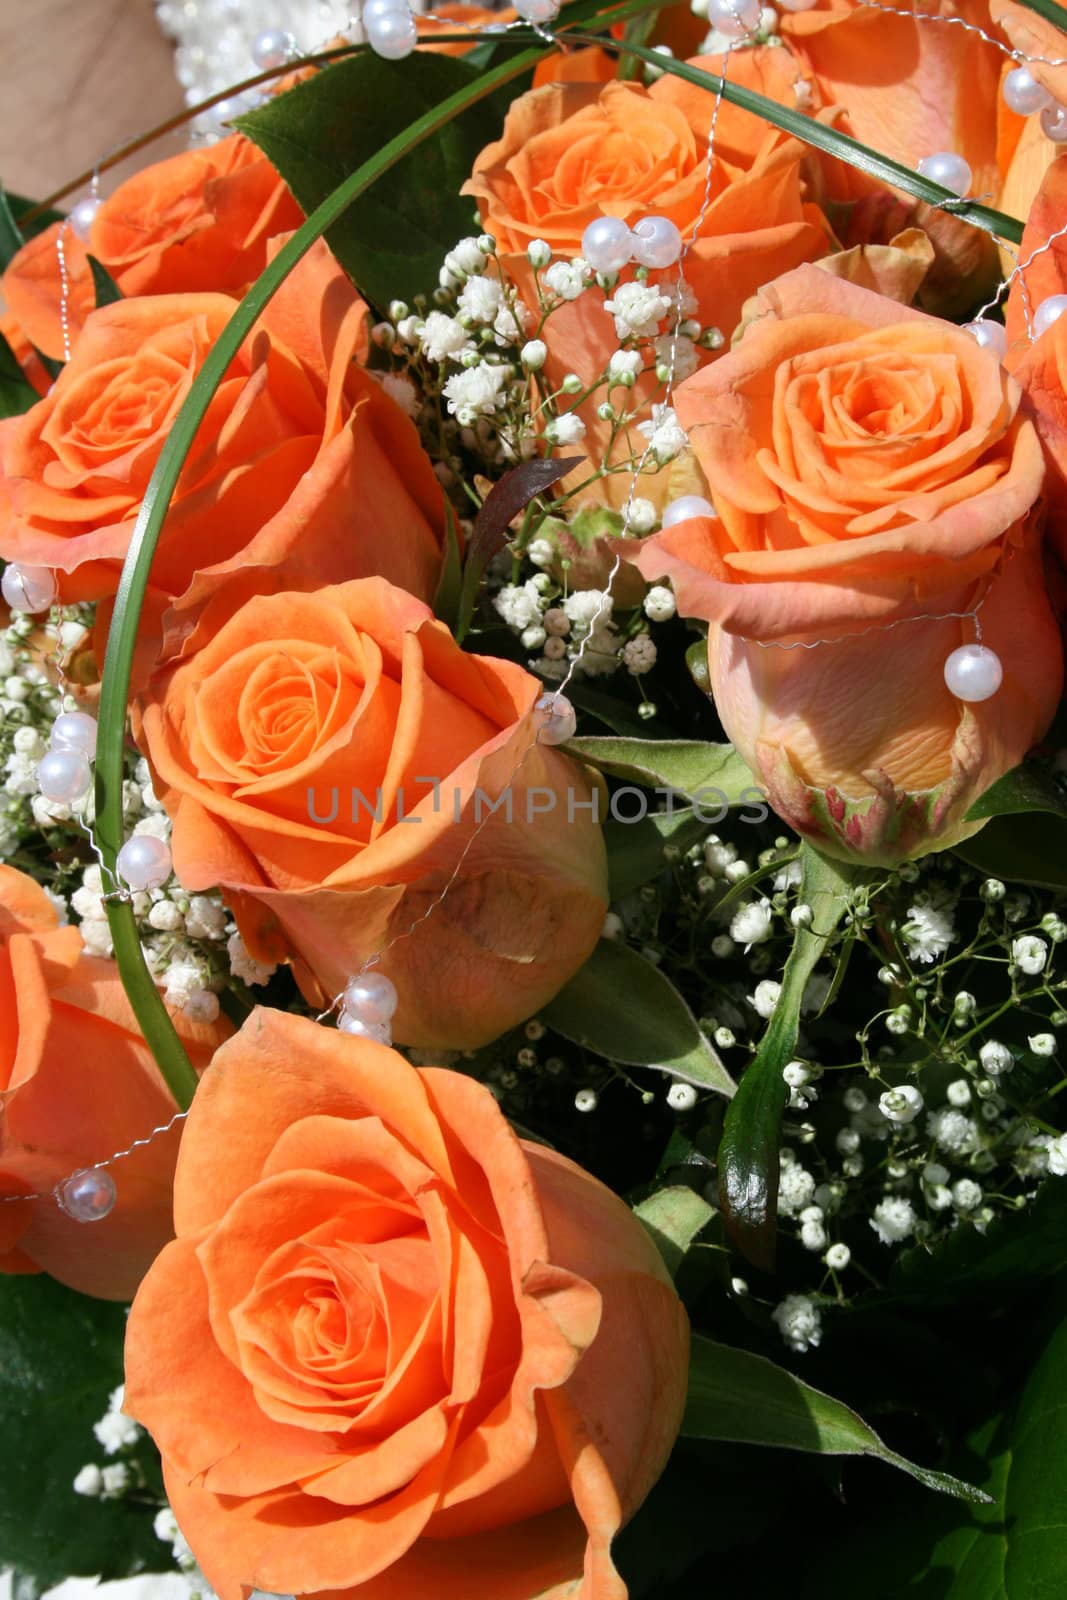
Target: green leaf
625	1009
746	1399
636	850
1049	10
392	240
446	597
748	1152
107	290
1025	788
1012	1549
1034	851
19	205
143	995
17	394
713	774
825	138
1017	1248
60	1358
674	1217
11	240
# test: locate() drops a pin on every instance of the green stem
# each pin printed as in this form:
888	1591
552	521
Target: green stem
1049	10
144	997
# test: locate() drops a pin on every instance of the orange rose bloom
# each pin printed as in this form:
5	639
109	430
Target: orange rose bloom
77	1085
300	464
910	88
332	760
198	221
571	152
870	467
395	1353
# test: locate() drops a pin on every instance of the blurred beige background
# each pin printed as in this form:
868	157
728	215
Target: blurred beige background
77	78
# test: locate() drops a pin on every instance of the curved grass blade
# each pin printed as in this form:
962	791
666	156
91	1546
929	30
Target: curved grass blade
148	1007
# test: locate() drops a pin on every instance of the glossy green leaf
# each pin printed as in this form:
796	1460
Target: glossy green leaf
625	1009
60	1358
16	393
746	1399
713	774
1031	851
393	239
143	995
1028	787
106	289
748	1152
637	851
674	1217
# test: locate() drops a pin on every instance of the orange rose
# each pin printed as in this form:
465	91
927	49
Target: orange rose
395	1353
332	760
77	1085
571	152
198	221
299	466
870	467
911	88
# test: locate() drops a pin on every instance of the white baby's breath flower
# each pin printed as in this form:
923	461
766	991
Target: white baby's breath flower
894	1219
928	930
567	279
666	437
1029	954
751	923
442	337
799	1322
477	389
638	309
659	604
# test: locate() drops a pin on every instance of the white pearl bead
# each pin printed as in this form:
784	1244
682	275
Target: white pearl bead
74	730
87	1196
393	35
686	506
948	169
273	48
538	11
1054	123
361	1029
371	996
63	776
1023	93
1048	312
83	215
557	717
734	18
29	589
373	9
973	673
656	242
990	335
144	861
606	244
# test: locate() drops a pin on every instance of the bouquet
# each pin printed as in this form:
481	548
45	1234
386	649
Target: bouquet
534	812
